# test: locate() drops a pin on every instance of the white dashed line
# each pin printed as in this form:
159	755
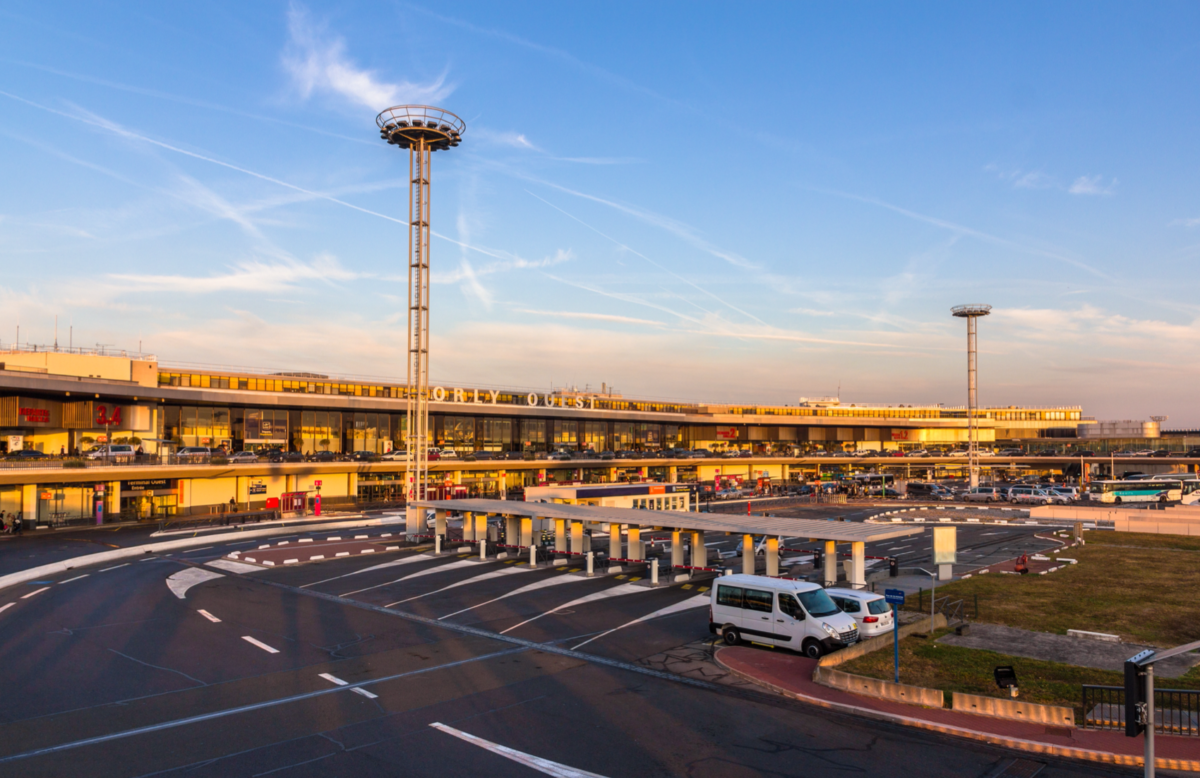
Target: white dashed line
35	591
76	578
534	762
342	553
114	567
260	644
209	616
6	607
317	556
365	693
194	550
332	679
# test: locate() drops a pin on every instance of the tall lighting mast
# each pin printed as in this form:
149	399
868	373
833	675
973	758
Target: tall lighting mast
971	313
421	129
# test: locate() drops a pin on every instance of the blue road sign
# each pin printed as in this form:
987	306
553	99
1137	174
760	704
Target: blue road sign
894	596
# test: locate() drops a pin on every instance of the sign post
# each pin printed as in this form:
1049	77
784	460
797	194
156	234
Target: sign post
895	597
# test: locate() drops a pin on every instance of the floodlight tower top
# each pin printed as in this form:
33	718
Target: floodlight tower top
971	311
406	125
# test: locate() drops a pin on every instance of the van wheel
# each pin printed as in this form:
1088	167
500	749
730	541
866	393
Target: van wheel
812	649
990	499
1117	501
731	636
1013	502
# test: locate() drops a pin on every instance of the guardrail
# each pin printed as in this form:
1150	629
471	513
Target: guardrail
217	519
1176	711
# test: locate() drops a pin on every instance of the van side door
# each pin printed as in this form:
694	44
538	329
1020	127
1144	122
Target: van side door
758	614
789	621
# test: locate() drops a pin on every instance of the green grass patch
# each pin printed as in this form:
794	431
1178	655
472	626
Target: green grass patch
1133	585
933	665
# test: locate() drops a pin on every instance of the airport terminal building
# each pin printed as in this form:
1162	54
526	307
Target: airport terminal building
71	400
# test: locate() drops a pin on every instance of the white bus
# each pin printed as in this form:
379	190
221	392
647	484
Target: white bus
1189	486
1142	490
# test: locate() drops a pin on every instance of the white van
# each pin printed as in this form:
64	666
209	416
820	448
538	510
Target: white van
778	612
871	611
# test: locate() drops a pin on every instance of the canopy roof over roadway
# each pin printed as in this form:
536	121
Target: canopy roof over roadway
840	531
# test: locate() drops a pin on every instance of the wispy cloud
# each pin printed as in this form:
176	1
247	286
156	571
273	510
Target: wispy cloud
1188	223
317	62
512	262
248	276
593	317
1093	185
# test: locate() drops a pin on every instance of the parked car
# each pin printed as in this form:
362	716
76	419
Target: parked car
395	455
194	454
560	456
889	492
1162	452
1123	453
791	614
1145	452
242	457
870	611
516	455
278	456
323	456
1030	495
984	494
918	452
628	454
27	454
1011	452
449	453
117	452
606	455
958	452
364	456
923	491
1083	453
1194	452
1070	492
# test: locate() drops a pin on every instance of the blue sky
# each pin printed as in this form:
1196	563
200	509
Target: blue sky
686	201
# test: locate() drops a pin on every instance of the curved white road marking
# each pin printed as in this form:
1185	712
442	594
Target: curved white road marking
233	567
562	579
114	567
615	591
476	579
431	571
185	579
405	561
535	762
35	591
698	601
260	644
76	578
6	606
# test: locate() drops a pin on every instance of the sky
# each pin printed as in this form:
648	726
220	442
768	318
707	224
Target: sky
684	201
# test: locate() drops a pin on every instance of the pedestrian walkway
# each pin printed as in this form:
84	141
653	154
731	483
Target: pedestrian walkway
791	675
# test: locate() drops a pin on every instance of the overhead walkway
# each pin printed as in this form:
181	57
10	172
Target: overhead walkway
569	522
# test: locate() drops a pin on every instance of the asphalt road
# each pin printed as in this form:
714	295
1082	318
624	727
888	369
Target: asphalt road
345	667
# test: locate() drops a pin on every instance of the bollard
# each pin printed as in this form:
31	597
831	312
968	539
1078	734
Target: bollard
437	544
591	563
654	573
533	556
728	571
483	548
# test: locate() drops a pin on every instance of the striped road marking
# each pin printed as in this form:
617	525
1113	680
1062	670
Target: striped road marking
260	644
356	690
6	606
76	578
209	616
35	591
544	766
114	567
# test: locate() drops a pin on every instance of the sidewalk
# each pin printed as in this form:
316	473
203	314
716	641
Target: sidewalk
791	676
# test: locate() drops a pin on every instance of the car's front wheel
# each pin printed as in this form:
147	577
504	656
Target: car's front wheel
812	648
731	636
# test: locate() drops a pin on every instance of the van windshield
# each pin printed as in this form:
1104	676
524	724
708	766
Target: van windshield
817	603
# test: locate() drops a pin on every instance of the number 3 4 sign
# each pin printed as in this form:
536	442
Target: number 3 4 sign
108	416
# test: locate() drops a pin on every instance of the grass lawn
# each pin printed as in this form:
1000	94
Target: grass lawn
956	669
1144	588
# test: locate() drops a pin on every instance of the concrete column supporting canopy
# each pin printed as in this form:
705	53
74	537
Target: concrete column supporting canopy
858	565
748	554
635	542
830	563
699	552
772	550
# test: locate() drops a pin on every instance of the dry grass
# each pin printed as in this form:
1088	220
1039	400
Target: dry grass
1144	588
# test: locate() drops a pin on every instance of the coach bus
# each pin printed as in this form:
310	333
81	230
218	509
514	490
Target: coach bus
1145	490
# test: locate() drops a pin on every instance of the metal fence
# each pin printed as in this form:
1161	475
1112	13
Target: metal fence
1176	711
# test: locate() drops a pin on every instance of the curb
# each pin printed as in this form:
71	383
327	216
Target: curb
1017	744
13	579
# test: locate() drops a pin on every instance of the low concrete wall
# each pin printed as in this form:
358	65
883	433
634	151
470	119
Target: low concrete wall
874	687
1054	715
882	641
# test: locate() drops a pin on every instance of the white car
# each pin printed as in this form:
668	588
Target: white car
448	453
395	455
871	611
243	457
778	612
1031	496
959	452
118	452
984	494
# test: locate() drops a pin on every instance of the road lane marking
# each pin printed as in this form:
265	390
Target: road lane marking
534	762
476	579
365	693
253	706
232	566
194	550
6	606
405	561
332	679
35	591
114	567
76	578
180	582
698	601
260	644
209	616
431	571
615	591
528	588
